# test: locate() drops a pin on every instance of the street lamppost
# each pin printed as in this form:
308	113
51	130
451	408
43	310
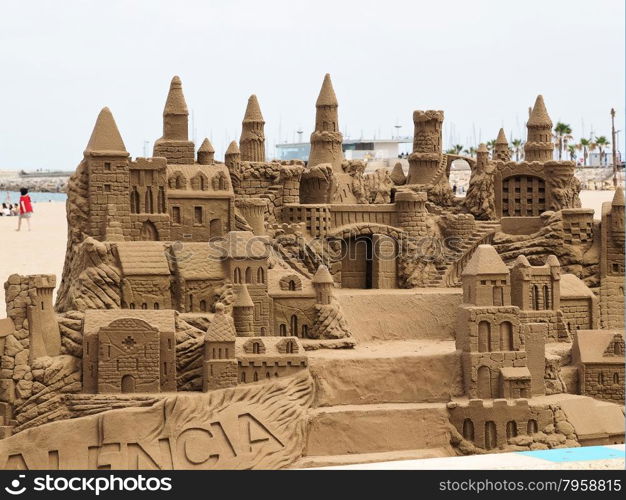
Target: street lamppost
614	148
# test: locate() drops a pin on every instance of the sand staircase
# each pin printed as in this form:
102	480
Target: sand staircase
449	271
386	398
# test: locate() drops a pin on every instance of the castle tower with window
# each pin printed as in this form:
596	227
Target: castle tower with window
612	262
107	164
243	312
489	333
247	263
323	284
501	151
427	146
220	364
232	157
175	144
206	153
539	146
252	140
326	139
536	291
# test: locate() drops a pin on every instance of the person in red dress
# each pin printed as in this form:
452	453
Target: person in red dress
26	209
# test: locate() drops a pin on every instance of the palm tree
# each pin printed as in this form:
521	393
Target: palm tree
562	134
471	151
455	150
584	145
571	149
601	143
491	146
518	145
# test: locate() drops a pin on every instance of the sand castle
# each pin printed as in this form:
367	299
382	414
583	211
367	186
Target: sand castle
263	314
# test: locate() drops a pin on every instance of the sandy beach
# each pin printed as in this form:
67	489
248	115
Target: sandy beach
43	249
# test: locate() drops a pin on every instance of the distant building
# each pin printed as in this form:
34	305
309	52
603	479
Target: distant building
353	149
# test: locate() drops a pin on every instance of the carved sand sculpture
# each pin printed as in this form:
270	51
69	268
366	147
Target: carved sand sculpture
265	314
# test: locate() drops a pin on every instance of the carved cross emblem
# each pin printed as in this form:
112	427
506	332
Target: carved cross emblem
129	342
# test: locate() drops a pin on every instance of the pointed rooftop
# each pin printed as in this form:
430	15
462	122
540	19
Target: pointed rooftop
233	148
618	197
106	137
253	110
539	114
327	95
243	298
322	275
175	103
206	146
553	261
485	261
501	139
222	327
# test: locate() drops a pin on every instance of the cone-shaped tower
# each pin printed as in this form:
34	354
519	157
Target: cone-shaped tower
107	162
323	284
501	151
539	146
482	157
326	139
206	153
105	137
175	144
252	140
243	312
232	156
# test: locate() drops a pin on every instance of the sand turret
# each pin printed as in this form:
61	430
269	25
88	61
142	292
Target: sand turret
252	140
539	146
326	139
175	144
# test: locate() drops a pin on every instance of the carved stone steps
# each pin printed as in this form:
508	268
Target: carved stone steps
353	430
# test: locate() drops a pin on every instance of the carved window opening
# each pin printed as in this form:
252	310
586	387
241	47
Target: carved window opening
468	429
506	336
237	275
546	297
282	329
248	275
134	201
197	216
511	429
256	348
535	297
484	336
161	200
294	325
149	201
532	427
260	275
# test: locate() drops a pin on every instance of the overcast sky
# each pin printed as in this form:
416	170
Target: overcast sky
482	61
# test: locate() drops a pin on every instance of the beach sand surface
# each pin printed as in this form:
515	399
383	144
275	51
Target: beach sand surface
40	251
